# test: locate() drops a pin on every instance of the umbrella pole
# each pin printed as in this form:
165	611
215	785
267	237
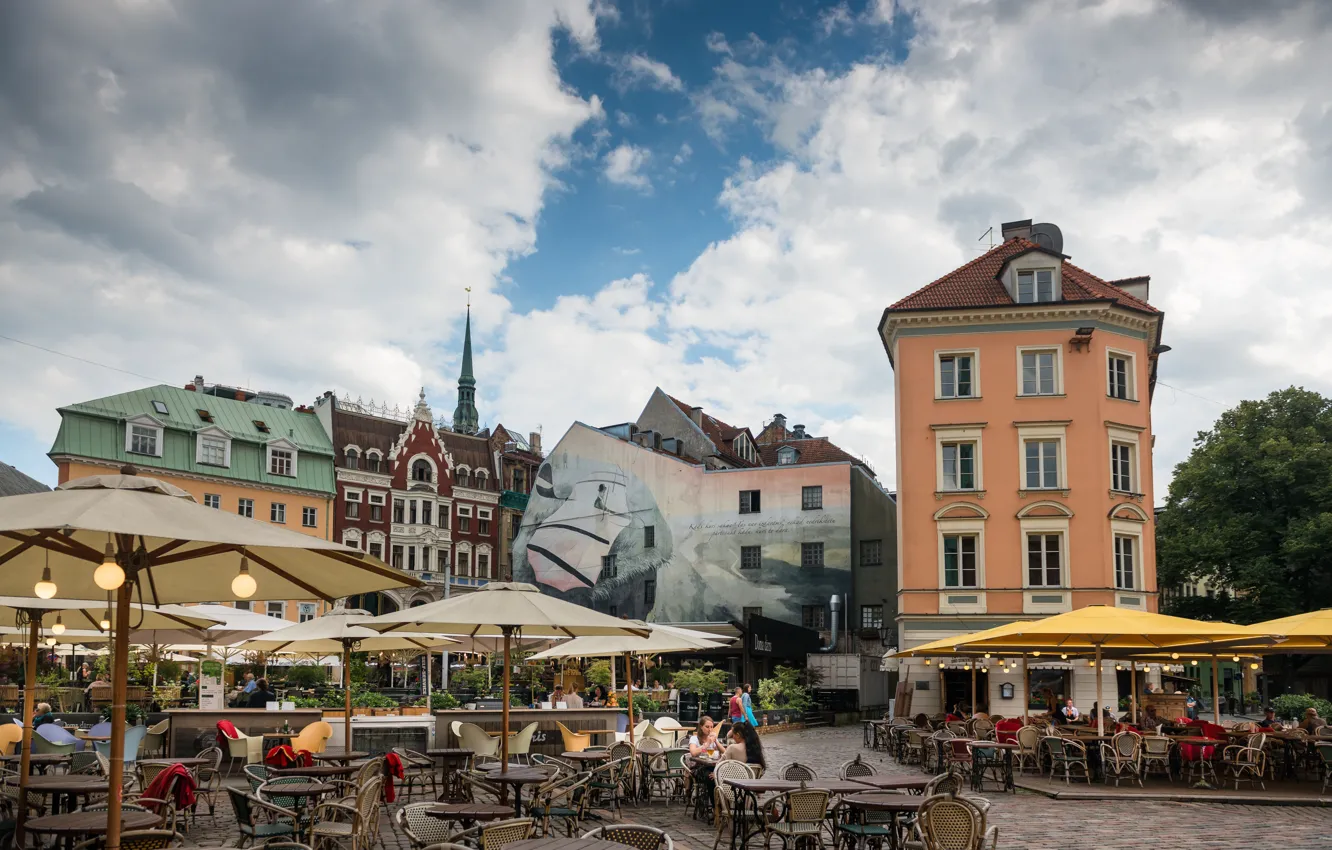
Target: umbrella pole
428	655
1133	693
504	710
29	685
117	743
1216	696
974	665
1026	691
629	689
346	696
1100	706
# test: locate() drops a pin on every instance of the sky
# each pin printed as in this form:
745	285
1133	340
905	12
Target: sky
717	198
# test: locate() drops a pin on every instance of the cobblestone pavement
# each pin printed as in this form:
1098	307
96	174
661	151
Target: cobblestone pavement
1026	821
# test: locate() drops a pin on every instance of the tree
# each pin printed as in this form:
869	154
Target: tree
1251	510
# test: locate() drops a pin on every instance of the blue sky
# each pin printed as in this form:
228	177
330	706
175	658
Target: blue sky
717	198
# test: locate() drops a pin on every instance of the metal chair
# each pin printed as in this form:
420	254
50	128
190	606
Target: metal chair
256	774
208	779
946	822
666	773
1067	753
795	815
566	799
417	769
797	772
421	829
1122	758
638	836
986	763
139	839
1245	764
1323	749
855	769
496	835
258	820
721	795
356	824
1156	753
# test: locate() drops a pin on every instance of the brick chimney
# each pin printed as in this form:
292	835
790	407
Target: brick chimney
1016	229
696	414
534	440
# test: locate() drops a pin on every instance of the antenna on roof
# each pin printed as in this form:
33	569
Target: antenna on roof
989	233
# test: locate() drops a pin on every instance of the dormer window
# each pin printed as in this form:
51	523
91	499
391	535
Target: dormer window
786	456
1035	285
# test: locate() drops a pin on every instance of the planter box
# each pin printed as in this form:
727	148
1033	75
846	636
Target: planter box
415	710
335	713
382	712
360	712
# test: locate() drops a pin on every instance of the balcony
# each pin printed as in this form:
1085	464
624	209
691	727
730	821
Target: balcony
513	500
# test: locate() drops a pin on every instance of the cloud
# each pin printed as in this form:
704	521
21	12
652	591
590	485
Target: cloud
624	164
682	156
636	70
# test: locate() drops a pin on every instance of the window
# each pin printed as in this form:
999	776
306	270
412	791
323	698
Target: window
1035	285
426	517
398	510
143	440
462	478
959	560
372	461
871	553
464	523
277	512
212	500
421	471
649	536
483	527
245	507
1121	467
351	460
376	508
411	512
1044	560
749	501
442	560
353	499
443	516
309	517
516	525
609	569
276	609
811	554
306	611
814	617
786	456
517	478
751	557
1042	464
649	592
464	563
212	451
279	462
1120	378
871	616
482	565
204	415
377	549
1038	373
397	557
245	606
955	376
160	407
1124	562
811	498
959	466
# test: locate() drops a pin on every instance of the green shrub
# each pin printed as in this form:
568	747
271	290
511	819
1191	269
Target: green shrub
470	679
784	690
443	701
134	713
699	681
1292	706
642	703
599	673
364	697
305	676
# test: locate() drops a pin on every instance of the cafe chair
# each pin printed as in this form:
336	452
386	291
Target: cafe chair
127	775
794	816
915	747
496	835
259	821
1028	750
271	792
666	774
355	826
797	772
520	742
208	778
1067	754
84	763
946	822
1245	764
1122	758
855	769
986	763
245	749
286	845
574	742
134	736
421	829
637	836
565	799
313	738
418	769
723	797
1156	755
135	805
1323	749
50	738
256	775
155	741
10	735
609	782
139	839
477	740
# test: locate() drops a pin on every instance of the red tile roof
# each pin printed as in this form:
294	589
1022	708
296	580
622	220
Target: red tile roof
811	450
976	284
720	433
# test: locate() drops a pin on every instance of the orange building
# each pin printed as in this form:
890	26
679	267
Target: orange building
1024	457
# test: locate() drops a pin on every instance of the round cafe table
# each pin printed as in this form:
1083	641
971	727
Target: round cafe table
518	778
469	813
587	756
340	756
556	842
63	788
452	762
72	825
39	761
321	771
188	761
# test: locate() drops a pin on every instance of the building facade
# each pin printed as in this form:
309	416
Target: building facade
1024	455
231	448
516	462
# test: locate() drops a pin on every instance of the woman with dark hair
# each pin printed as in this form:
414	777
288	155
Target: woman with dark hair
599	695
261	696
745	746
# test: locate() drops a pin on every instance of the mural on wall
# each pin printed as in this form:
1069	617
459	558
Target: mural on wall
609	523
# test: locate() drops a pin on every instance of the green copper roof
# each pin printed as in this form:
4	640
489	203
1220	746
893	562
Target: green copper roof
465	418
96	429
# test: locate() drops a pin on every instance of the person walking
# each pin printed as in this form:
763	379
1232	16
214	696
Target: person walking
737	707
747	703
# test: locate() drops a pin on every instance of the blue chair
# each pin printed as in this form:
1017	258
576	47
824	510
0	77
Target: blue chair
103	728
133	737
51	738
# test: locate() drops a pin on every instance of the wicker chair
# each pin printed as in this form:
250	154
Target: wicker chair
915	747
257	774
986	763
85	763
638	836
608	782
959	757
1028	749
795	815
722	798
946	822
258	820
1067	754
356	824
1156	753
138	839
1323	749
418	769
666	774
1245	764
565	799
982	728
209	779
1122	758
421	829
478	790
797	772
855	769
496	835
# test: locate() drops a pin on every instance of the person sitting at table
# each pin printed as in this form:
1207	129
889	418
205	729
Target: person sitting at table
704	739
1149	718
1269	721
84	673
1068	712
41	714
261	696
1312	722
599	695
745	746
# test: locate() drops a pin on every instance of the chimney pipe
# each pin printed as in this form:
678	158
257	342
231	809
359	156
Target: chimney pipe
696	414
534	440
779	421
798	432
198	383
835	604
1016	229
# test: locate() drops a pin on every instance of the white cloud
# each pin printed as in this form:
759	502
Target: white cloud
682	156
624	165
636	70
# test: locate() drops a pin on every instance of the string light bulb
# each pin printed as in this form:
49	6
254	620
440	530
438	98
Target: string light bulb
244	585
1036	654
59	627
1064	656
1194	662
45	588
50	641
985	669
927	662
109	575
1174	656
1235	658
105	622
1253	665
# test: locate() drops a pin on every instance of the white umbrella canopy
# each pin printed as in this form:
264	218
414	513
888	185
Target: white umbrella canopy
660	639
504	609
128	533
18	611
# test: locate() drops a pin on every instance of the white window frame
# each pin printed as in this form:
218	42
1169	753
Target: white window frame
217	435
277	512
430	461
1130	436
787	456
1130	374
241	503
939	355
281	446
306	611
1132	531
306	511
213	500
351	537
354	497
268	609
148	423
964	525
1042	432
1058	352
1035	285
1043	459
379	461
968	433
483	513
1057	526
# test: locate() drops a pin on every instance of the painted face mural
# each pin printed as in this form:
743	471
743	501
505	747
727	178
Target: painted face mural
584	534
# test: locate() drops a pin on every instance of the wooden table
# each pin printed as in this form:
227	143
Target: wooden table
39	762
893	805
73	825
340	757
63	787
518	778
894	783
452	762
587	756
317	770
560	843
302	791
191	761
83	736
469	813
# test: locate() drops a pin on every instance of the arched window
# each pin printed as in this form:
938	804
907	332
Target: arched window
421	471
352	459
372	461
462	478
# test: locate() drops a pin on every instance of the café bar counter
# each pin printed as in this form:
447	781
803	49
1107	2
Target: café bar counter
187	724
547	738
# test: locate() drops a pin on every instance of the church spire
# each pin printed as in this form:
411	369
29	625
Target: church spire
465	418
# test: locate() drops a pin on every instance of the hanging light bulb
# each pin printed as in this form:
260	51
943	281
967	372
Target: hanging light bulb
1253	666
59	627
1174	656
50	641
927	662
109	575
105	622
1194	662
1063	655
985	669
45	588
1236	658
943	665
987	655
1036	654
244	585
1091	662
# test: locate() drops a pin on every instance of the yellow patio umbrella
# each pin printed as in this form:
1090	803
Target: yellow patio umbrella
504	609
135	535
1098	627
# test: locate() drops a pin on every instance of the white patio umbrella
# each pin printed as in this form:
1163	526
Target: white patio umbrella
504	609
129	533
339	631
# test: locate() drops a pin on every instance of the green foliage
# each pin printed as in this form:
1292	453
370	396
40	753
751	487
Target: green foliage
212	669
312	702
52	677
643	704
359	669
1292	706
470	679
598	673
443	701
305	676
134	714
366	697
784	690
1251	510
699	681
